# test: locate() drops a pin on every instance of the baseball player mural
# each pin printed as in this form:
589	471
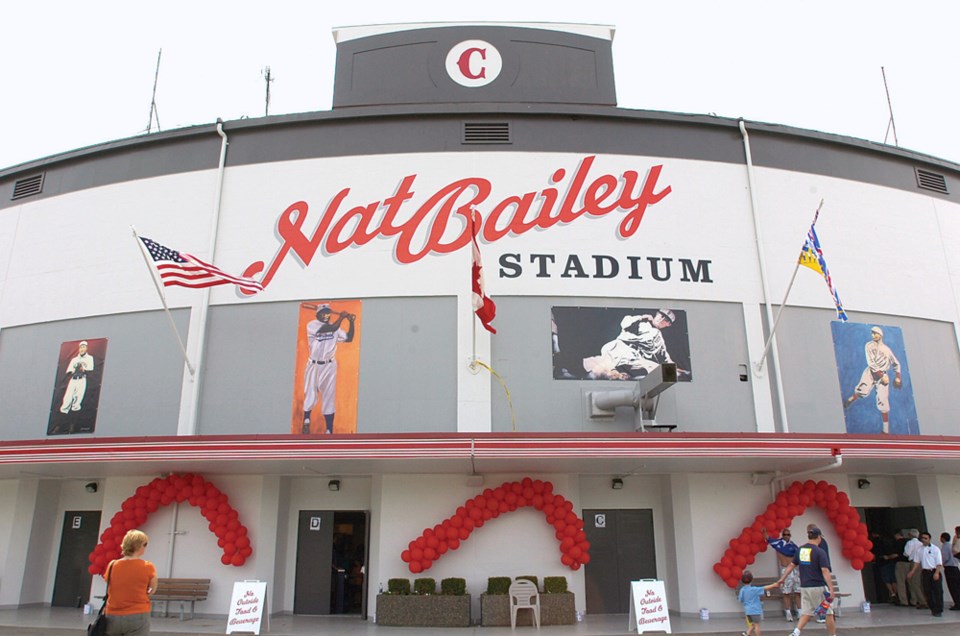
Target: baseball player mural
76	392
631	342
325	388
886	367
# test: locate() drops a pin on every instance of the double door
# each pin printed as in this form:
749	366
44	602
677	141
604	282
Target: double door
622	549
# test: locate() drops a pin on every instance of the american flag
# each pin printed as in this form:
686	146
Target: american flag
183	270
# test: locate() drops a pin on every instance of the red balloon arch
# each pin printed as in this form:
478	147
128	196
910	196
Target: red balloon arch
790	503
508	497
214	506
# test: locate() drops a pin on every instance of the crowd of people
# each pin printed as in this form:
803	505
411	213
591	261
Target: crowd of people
913	572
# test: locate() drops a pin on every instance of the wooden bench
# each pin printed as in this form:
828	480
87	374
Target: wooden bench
837	594
182	591
775	593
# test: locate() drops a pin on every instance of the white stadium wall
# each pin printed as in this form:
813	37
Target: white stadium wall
585	208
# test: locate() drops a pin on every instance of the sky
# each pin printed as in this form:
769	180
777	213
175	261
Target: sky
78	74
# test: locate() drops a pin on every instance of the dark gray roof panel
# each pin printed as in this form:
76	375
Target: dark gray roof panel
362	131
538	66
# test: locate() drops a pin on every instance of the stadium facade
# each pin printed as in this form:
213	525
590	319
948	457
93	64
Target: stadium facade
612	241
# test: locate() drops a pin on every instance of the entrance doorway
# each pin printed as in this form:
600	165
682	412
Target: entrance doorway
622	549
331	563
884	522
71	587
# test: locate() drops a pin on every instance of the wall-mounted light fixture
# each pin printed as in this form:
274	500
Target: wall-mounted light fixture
91	487
617	483
863	484
333	484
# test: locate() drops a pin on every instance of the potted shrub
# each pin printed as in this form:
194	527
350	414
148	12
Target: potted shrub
494	603
557	604
424	608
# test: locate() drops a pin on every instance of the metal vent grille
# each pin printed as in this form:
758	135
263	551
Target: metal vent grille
478	132
931	181
28	186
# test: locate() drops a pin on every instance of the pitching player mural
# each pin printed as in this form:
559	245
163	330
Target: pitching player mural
871	360
76	393
599	343
328	368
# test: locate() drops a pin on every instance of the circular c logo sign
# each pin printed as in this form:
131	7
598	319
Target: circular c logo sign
474	63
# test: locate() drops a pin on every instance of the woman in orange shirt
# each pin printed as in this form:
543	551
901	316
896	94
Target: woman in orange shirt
130	580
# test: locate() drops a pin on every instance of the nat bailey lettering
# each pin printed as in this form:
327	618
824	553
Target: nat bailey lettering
424	231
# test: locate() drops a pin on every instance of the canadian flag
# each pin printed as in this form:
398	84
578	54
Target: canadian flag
483	306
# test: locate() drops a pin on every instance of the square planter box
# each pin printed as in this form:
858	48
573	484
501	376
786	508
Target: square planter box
555	609
434	610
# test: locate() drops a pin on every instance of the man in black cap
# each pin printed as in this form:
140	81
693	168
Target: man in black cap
816	582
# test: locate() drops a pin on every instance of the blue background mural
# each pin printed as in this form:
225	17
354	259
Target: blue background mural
862	416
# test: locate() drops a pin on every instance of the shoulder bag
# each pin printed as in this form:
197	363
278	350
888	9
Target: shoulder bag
99	625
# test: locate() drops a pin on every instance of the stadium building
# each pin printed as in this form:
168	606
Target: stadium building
638	262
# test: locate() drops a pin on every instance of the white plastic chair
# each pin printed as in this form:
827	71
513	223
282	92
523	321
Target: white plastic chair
524	595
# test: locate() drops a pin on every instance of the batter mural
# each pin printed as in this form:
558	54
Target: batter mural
871	360
601	343
76	390
328	367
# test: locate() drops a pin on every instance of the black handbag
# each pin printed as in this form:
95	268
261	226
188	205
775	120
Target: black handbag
99	625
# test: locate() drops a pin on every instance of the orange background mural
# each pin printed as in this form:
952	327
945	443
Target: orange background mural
348	370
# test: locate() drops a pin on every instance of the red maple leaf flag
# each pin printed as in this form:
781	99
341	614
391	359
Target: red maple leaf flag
483	306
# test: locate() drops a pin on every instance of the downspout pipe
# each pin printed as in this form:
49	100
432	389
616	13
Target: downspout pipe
204	306
836	462
203	310
755	209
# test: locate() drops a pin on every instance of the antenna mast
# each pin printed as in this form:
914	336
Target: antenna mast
891	125
267	78
154	114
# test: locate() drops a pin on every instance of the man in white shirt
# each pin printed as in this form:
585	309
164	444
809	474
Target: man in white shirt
929	559
910	550
951	569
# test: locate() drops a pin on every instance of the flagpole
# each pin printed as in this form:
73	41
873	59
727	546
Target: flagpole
163	300
776	322
473	320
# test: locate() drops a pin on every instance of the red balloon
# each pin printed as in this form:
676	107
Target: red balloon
415	567
226	559
238	560
405	556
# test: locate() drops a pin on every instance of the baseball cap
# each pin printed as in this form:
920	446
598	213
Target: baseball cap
668	314
814	532
876	330
83	343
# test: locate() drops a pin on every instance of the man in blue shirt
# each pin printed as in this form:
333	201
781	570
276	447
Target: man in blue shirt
951	569
786	549
815	579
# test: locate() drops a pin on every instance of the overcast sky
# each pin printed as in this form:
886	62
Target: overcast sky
81	73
